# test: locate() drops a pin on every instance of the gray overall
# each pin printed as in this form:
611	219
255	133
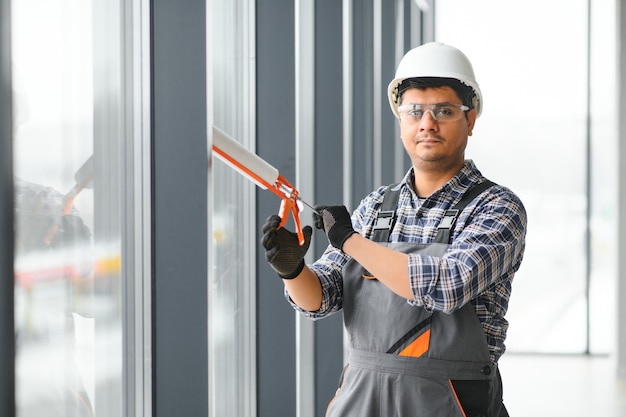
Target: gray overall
405	361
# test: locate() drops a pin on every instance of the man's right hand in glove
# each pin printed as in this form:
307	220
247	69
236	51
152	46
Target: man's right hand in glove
287	258
282	250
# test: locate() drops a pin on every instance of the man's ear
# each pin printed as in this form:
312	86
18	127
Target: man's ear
471	119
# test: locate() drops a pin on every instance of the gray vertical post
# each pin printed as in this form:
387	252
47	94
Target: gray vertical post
7	327
275	134
392	158
179	213
329	124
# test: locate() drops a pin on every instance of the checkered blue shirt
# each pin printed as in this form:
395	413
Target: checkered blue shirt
487	247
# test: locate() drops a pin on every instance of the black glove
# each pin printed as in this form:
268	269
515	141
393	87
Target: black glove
336	222
282	250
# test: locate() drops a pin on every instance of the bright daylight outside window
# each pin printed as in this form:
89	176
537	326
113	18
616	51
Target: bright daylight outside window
69	140
533	136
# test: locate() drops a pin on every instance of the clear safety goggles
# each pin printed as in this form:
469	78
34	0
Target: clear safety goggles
441	112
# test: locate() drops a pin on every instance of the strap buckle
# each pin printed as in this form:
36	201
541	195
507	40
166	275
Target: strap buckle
385	220
449	219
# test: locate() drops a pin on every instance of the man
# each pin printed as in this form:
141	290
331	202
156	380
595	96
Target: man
423	269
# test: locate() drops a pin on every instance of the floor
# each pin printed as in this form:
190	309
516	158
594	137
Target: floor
555	386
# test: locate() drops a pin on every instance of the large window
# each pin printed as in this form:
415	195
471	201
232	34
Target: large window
76	143
548	132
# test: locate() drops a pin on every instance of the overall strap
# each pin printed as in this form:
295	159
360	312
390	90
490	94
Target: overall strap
387	214
447	222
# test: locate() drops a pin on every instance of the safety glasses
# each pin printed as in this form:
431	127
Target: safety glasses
441	112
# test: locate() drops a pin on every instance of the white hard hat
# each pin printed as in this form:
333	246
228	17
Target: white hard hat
434	59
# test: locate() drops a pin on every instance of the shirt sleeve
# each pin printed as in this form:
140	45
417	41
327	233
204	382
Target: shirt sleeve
328	270
487	247
329	267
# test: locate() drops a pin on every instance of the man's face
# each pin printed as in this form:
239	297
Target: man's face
435	145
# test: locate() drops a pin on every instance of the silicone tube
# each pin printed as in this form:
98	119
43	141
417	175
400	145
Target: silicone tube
247	163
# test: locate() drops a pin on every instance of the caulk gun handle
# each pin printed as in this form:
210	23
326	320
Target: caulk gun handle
286	206
296	219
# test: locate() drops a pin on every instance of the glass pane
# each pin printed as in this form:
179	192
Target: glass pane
231	302
604	177
525	69
70	186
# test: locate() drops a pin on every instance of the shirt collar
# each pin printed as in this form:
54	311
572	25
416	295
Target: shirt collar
456	186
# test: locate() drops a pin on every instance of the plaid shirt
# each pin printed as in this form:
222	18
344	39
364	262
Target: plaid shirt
487	248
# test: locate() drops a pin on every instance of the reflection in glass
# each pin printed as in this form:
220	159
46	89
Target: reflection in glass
67	266
232	282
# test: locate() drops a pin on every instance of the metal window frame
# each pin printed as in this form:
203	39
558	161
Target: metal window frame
348	106
305	171
137	327
621	290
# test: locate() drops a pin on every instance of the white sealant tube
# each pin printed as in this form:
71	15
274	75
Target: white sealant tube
241	159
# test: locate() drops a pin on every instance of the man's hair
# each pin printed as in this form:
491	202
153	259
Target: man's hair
465	92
